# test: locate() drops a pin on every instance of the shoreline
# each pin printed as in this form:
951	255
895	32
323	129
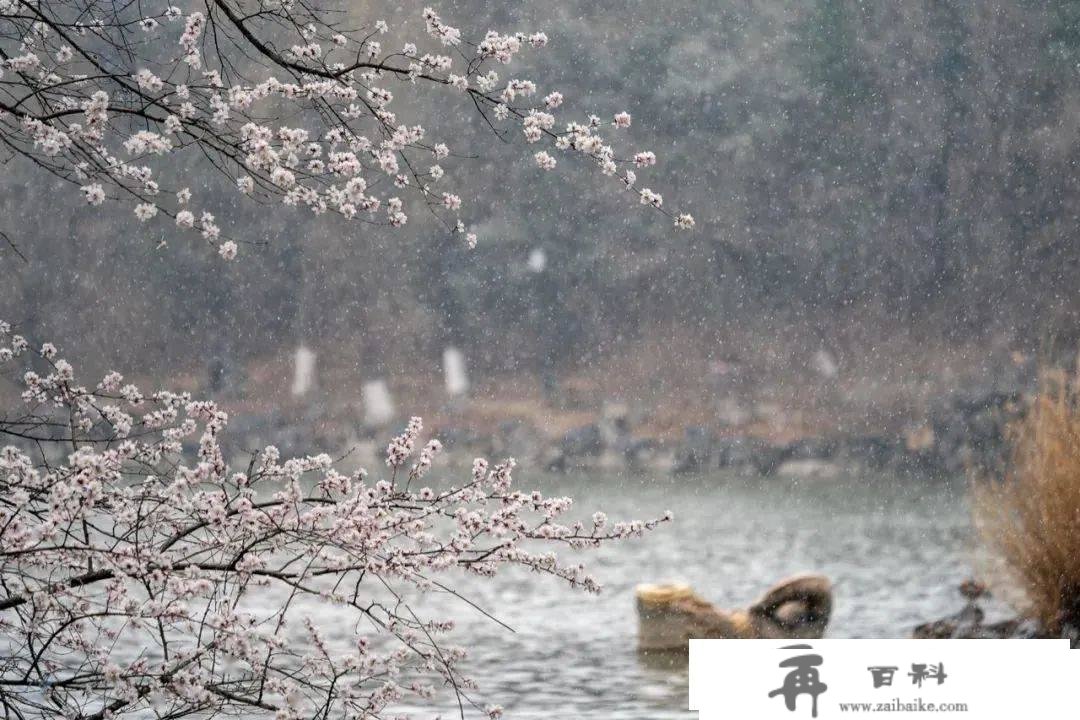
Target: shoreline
965	434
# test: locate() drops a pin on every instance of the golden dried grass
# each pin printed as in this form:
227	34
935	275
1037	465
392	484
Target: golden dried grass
1029	520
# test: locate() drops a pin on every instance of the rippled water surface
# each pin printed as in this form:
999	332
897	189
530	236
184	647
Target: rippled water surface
894	547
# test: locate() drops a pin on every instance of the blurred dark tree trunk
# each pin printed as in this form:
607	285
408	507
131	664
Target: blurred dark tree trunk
948	72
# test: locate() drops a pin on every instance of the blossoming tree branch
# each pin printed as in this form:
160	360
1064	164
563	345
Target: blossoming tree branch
293	101
142	571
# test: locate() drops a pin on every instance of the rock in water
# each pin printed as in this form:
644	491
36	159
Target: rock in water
669	616
968	623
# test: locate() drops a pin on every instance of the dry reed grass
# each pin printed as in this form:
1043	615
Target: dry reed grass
1029	520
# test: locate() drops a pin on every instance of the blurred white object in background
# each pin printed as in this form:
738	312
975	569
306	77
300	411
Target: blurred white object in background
825	364
537	260
303	371
378	405
457	381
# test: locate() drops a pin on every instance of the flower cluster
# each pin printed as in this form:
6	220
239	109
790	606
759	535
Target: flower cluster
144	573
293	106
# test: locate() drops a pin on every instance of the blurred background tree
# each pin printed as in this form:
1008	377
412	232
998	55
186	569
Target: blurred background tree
861	171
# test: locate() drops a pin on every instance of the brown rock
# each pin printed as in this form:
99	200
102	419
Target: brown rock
670	615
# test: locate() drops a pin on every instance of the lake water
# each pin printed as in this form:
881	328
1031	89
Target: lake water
895	548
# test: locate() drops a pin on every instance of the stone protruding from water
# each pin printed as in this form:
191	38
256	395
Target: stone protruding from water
669	616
